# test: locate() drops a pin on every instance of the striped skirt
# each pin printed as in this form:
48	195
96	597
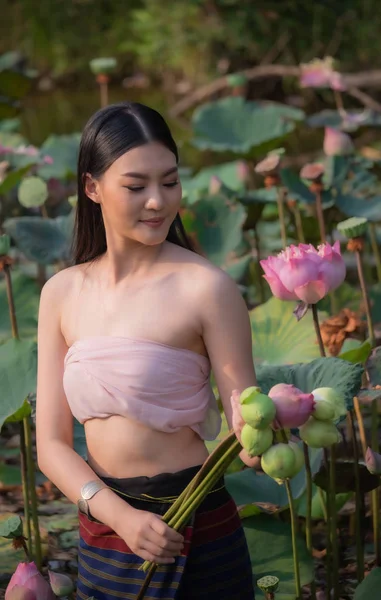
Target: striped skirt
214	564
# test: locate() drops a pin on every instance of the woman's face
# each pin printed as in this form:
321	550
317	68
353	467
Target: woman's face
139	194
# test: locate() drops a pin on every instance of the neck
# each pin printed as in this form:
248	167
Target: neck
129	259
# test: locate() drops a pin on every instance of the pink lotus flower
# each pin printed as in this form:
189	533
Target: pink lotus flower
293	407
28	577
48	160
321	74
304	273
337	143
215	185
373	462
243	171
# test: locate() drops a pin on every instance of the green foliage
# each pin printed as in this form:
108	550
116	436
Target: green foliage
26	297
236	125
354	351
278	338
11	528
63	149
18	369
270	547
355	119
370	586
44	241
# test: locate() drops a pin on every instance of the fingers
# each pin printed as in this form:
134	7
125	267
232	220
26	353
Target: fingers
164	543
151	557
163	530
159	553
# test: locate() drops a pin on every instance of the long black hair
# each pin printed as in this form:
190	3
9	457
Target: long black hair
108	134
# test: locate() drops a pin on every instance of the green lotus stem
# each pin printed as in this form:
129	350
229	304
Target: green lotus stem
375	493
307	465
359	544
213	468
320	216
299	224
375	249
328	558
11	302
28	548
257	247
32	491
291	503
282	221
323	504
360	271
333	523
317	329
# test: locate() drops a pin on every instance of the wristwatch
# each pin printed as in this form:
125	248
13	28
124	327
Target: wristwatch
89	490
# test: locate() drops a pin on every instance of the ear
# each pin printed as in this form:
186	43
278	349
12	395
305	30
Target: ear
91	188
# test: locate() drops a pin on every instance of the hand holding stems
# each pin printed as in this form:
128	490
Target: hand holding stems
149	537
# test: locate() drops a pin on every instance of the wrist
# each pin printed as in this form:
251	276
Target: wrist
108	508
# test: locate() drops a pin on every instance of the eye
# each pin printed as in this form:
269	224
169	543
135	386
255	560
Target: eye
134	188
172	183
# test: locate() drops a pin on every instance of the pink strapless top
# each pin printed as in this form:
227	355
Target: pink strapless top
164	387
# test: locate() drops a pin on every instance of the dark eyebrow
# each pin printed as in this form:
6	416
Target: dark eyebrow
141	176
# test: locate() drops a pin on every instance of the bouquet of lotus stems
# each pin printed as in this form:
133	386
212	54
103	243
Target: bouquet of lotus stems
181	511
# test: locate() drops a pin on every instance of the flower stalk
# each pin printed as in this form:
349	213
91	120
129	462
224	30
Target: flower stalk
375	249
281	214
307	465
298	590
315	316
32	491
28	548
360	271
333	523
359	544
375	498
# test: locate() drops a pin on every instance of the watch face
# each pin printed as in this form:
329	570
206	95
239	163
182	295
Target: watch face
82	506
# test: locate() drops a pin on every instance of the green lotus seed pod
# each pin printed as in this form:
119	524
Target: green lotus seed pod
32	192
334	398
256	441
319	434
5	244
323	410
353	227
258	410
268	584
279	461
102	66
299	458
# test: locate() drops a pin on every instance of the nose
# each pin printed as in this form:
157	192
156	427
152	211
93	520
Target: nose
155	200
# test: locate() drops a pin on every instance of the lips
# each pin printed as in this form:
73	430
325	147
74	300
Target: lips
153	222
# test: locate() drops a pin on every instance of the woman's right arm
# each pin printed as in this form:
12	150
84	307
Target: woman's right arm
144	532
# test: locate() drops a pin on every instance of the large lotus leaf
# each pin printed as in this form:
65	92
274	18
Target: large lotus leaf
318	498
26	297
228	173
260	196
237	268
9	556
332	118
14	177
8	108
42	240
251	488
270	547
236	125
359	207
10	125
217	228
370	587
18	369
336	170
297	190
362	183
63	149
11	139
278	338
330	371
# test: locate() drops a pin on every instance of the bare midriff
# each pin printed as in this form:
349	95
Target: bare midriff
119	447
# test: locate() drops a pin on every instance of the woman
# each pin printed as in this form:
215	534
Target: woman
126	341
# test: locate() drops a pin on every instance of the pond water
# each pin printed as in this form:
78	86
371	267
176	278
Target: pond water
63	111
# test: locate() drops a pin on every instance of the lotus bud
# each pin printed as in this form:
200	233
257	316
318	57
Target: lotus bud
243	171
312	171
299	457
268	164
256	441
28	577
21	593
279	461
257	409
354	227
319	434
61	584
373	462
293	407
323	411
334	398
215	185
337	143
268	584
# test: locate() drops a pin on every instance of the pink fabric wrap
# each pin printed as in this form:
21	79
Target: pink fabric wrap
164	387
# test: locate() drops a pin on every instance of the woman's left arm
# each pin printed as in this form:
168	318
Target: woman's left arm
226	332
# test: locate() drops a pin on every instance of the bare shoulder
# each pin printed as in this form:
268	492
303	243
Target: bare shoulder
59	287
203	279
